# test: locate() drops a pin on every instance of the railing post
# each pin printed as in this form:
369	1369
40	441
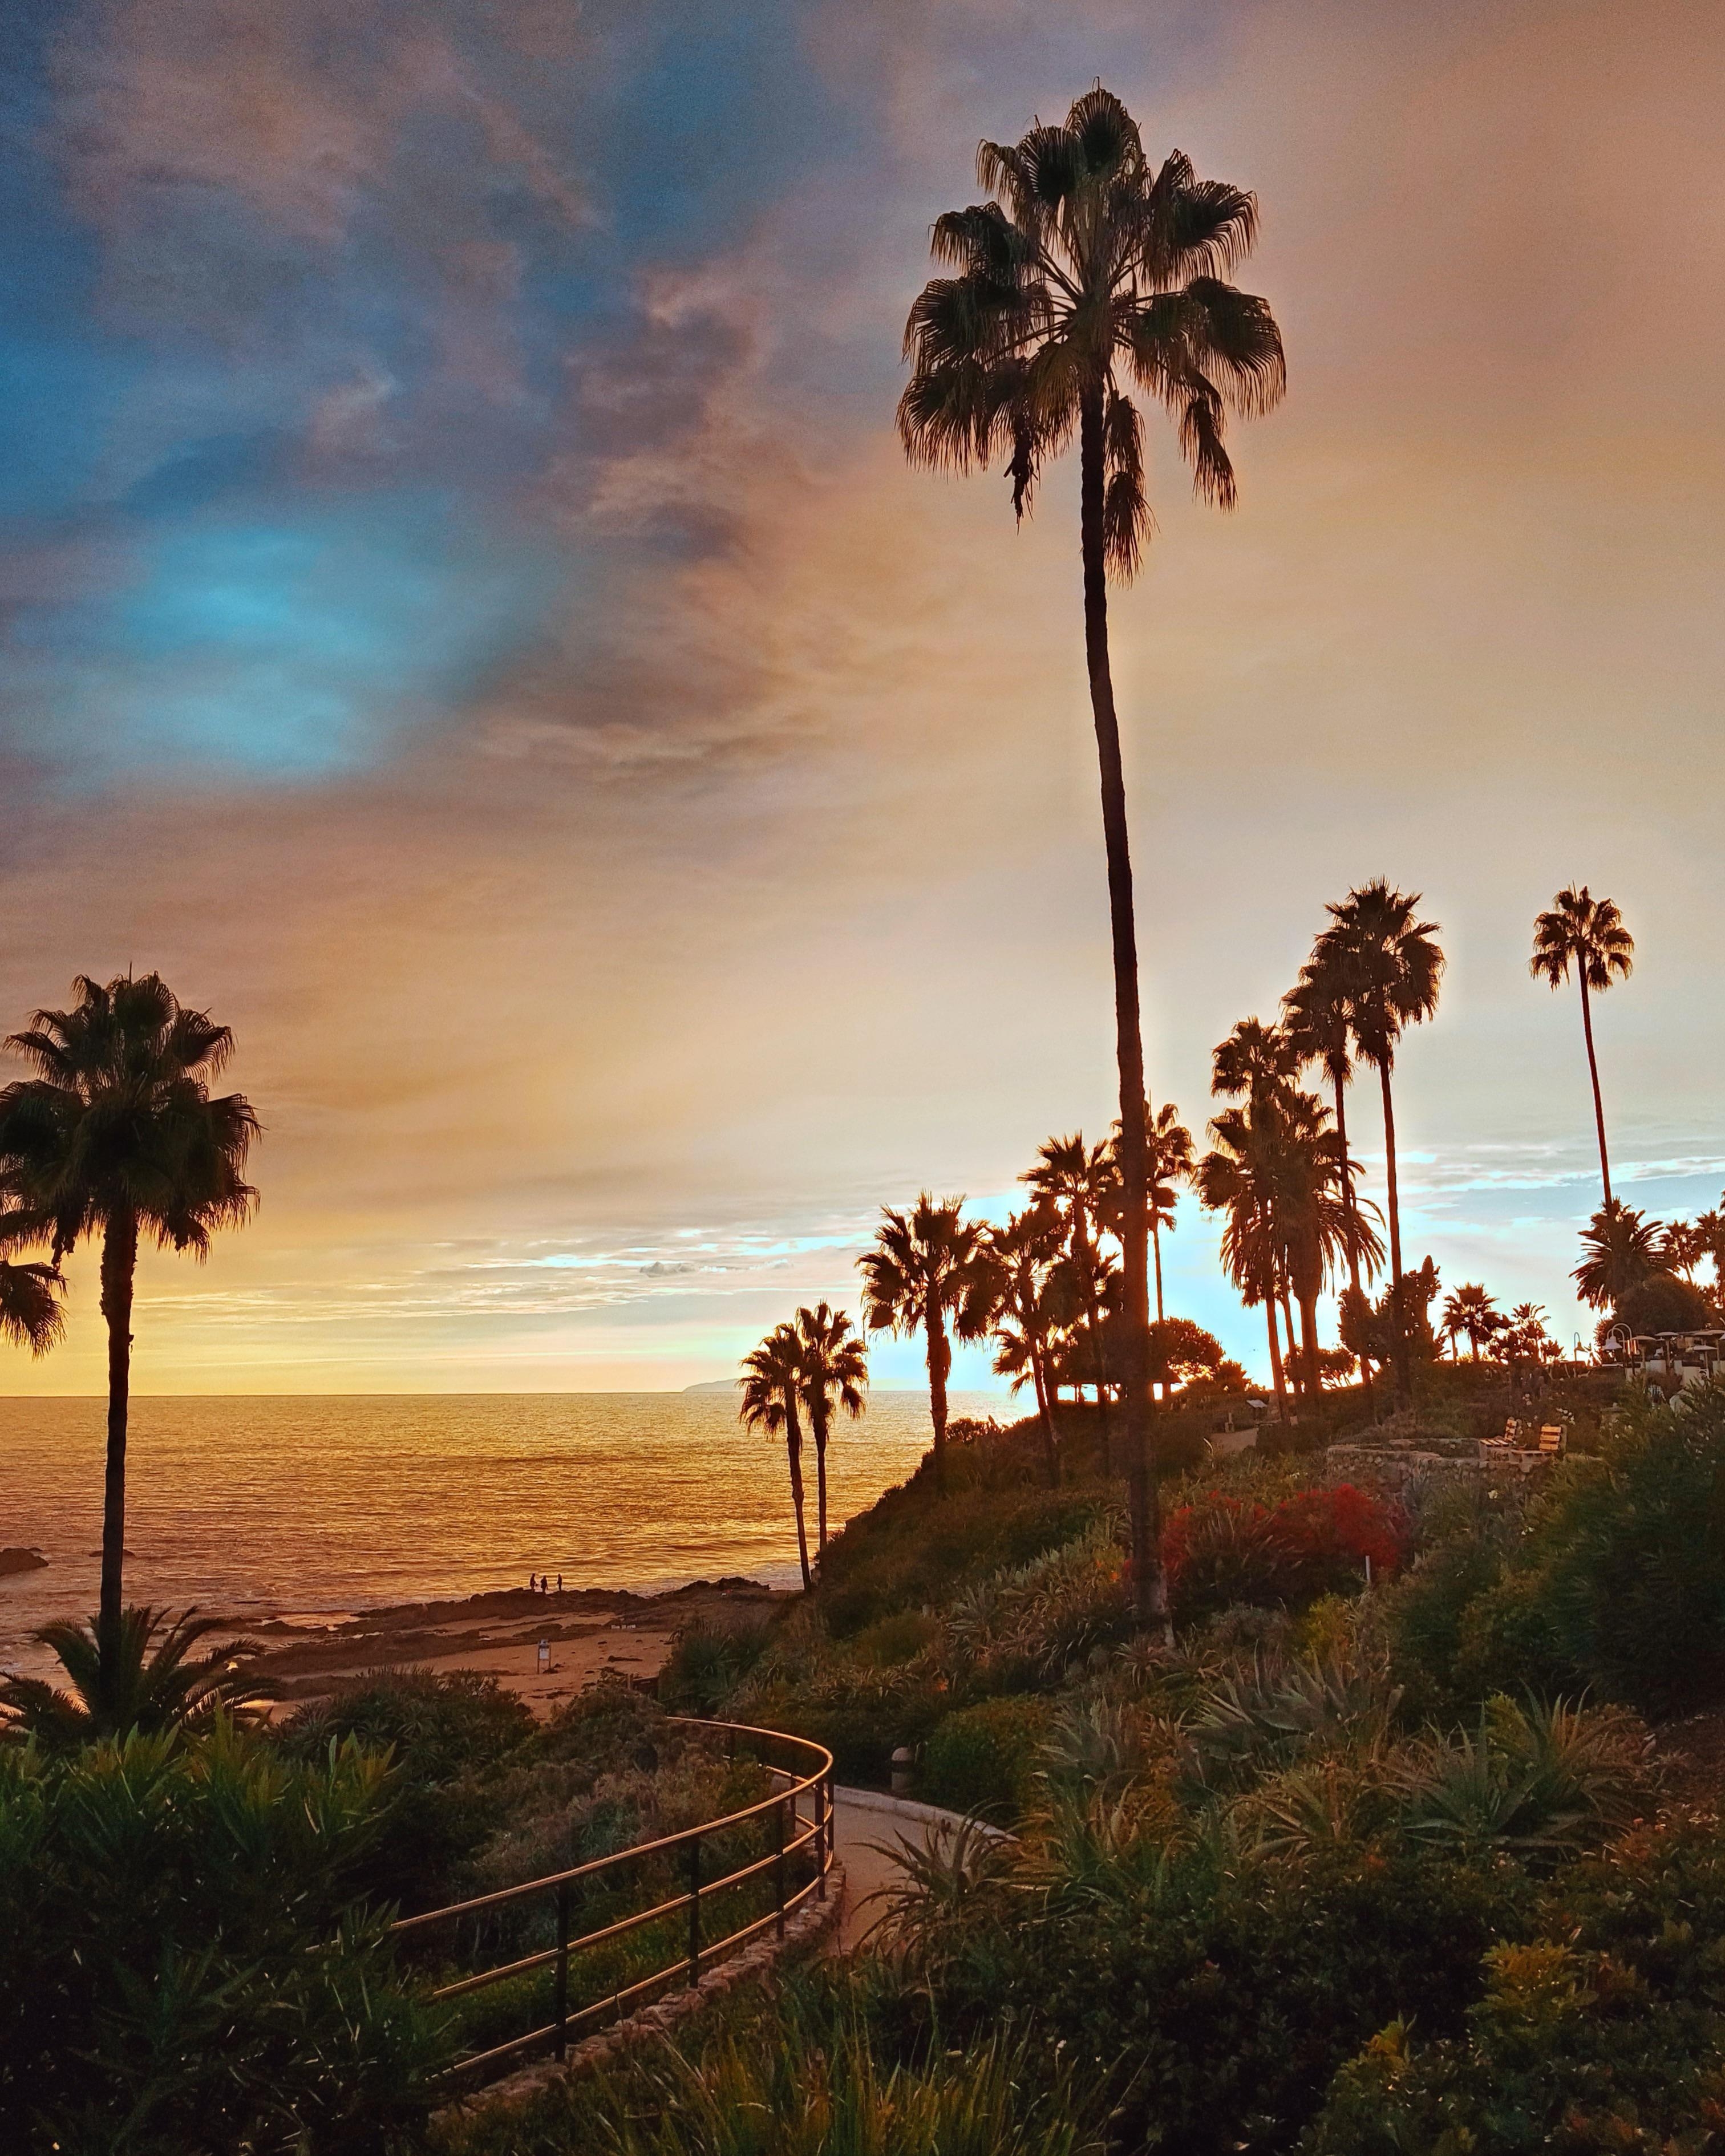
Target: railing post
694	1909
563	1991
778	1867
823	1835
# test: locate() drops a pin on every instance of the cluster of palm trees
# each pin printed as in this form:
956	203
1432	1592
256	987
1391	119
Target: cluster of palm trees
1280	1171
1516	1335
813	1366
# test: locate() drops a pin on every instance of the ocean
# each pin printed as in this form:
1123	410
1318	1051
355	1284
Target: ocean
290	1507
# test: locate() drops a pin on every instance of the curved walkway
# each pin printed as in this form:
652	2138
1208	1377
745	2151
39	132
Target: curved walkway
867	1827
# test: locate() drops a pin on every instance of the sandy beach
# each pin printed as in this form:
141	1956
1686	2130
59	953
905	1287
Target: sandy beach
588	1630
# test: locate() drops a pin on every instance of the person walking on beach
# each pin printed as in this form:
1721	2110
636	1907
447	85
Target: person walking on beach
560	1583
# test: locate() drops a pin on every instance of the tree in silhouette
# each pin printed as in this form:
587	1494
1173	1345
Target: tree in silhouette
772	1396
1587	934
1170	1165
1392	964
1620	1249
1316	1023
832	1372
1092	265
117	1136
1081	1185
1237	1178
30	1313
1028	1311
152	1682
1469	1312
928	1273
1256	1062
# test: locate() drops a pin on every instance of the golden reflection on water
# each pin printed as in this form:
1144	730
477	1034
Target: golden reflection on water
285	1505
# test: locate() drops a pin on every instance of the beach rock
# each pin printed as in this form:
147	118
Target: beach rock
20	1560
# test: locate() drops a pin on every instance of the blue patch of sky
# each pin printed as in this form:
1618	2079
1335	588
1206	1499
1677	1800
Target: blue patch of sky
287	649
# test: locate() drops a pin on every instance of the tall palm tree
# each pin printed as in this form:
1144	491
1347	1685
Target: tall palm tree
117	1136
30	1313
1391	964
1089	263
1470	1312
1620	1248
1587	933
833	1373
1081	1184
1027	1313
928	1273
772	1393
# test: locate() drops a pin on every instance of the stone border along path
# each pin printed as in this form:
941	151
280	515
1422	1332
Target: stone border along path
863	1820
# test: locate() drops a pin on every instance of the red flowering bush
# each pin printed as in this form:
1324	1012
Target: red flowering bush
1222	1550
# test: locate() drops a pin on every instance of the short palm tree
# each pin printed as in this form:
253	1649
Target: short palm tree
151	1681
772	1399
1092	264
1470	1313
1620	1248
1391	964
118	1136
30	1313
1170	1150
1029	1314
1237	1178
1254	1061
1587	934
1316	1024
928	1273
832	1373
1081	1184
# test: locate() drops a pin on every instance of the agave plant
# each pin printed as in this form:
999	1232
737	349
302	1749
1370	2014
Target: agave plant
938	1886
148	1680
1324	1803
1534	1780
1279	1712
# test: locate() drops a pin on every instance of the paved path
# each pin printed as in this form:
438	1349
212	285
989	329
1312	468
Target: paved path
860	1835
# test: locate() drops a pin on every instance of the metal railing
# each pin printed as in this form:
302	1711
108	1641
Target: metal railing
791	1834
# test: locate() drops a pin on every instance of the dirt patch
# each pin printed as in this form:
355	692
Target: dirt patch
1691	1754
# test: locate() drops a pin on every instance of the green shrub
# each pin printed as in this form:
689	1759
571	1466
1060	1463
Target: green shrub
187	1964
448	1734
706	1663
983	1758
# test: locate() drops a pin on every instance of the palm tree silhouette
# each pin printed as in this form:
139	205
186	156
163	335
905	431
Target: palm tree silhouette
1620	1247
1028	1313
1470	1312
1090	261
1317	1026
928	1274
152	1682
832	1372
1255	1061
1390	965
1587	933
30	1313
1237	1177
772	1391
1080	1184
1170	1164
117	1135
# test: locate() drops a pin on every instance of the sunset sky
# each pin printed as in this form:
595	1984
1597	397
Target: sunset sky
466	619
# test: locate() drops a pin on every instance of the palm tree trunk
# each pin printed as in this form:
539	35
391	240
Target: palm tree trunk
1404	1374
1149	1587
1050	1450
120	1264
793	1451
1295	1364
818	1422
1308	1342
1348	1213
1156	1245
940	1362
1276	1369
1592	1072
